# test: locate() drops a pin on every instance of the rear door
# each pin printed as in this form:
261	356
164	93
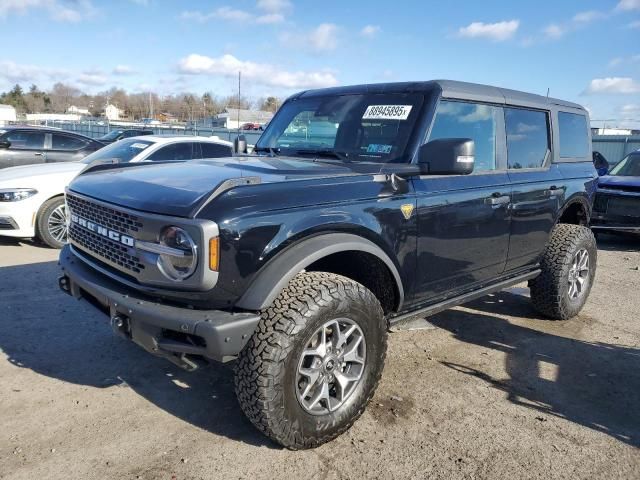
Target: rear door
215	150
175	151
65	147
463	221
27	147
537	184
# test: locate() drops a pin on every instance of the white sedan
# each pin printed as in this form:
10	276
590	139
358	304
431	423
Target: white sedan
32	196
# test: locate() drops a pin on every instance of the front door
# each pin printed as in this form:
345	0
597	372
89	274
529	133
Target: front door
464	221
26	148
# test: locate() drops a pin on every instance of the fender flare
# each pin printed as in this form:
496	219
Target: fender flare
576	199
277	273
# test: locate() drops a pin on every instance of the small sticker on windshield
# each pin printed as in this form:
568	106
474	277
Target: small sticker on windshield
377	148
387	112
139	145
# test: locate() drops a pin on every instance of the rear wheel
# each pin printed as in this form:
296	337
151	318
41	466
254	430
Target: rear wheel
568	271
314	361
51	223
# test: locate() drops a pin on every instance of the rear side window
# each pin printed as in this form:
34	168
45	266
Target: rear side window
469	120
175	151
574	139
527	137
215	150
66	142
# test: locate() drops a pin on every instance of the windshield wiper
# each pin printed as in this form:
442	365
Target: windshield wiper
273	152
344	156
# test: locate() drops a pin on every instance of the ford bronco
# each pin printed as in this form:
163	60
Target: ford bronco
359	207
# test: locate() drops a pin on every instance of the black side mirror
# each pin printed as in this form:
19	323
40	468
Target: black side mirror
447	156
5	144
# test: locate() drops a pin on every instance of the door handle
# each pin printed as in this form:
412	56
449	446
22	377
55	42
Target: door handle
39	154
554	191
497	199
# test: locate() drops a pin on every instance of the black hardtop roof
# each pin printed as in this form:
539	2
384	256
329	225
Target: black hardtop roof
449	89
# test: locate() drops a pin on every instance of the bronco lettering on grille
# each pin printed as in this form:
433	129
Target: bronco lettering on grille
102	230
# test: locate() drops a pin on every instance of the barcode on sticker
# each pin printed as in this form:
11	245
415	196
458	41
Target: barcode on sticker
387	112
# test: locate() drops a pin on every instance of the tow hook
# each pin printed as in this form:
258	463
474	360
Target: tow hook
63	283
120	325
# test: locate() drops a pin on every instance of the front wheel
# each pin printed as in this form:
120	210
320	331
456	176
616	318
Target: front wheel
314	361
51	226
568	271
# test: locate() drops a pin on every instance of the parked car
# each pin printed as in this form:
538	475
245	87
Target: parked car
251	126
32	196
30	145
119	134
296	260
617	203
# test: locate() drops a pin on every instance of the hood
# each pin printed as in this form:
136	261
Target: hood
618	181
179	189
27	172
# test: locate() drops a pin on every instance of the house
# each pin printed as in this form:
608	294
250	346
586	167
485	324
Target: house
7	114
77	110
233	118
166	117
112	112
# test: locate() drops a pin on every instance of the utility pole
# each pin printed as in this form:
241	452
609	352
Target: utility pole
239	77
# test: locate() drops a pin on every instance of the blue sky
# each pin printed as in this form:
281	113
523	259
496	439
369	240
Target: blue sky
586	51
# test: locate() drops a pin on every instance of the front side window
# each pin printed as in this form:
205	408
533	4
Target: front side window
527	137
215	150
22	140
357	127
628	167
174	151
574	138
66	142
469	120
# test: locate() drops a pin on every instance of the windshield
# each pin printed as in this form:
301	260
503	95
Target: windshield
628	167
124	150
364	127
112	135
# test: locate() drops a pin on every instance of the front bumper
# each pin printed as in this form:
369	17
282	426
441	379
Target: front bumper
170	331
17	218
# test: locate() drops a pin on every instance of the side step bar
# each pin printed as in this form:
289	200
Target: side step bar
464	298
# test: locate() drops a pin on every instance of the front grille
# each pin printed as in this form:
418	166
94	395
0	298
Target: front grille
105	216
624	207
98	245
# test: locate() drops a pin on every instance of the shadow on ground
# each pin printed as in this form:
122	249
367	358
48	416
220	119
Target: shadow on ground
596	385
619	242
54	335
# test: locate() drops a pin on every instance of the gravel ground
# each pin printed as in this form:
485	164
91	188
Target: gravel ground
486	391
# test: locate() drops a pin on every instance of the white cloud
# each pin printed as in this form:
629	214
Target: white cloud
628	5
123	70
370	31
323	38
630	109
588	16
497	32
274	6
61	11
91	78
260	73
619	85
554	31
19	73
615	62
274	12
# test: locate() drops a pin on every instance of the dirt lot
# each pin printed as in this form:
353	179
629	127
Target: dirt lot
491	392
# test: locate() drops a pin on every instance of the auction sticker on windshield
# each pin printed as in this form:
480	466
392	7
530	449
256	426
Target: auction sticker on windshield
387	112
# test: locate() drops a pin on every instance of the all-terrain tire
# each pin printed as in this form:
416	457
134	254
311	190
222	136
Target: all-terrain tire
50	209
266	370
550	291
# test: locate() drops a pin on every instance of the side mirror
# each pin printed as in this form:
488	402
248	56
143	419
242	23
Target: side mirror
240	144
447	156
5	144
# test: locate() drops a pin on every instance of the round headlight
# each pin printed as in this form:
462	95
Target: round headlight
180	259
